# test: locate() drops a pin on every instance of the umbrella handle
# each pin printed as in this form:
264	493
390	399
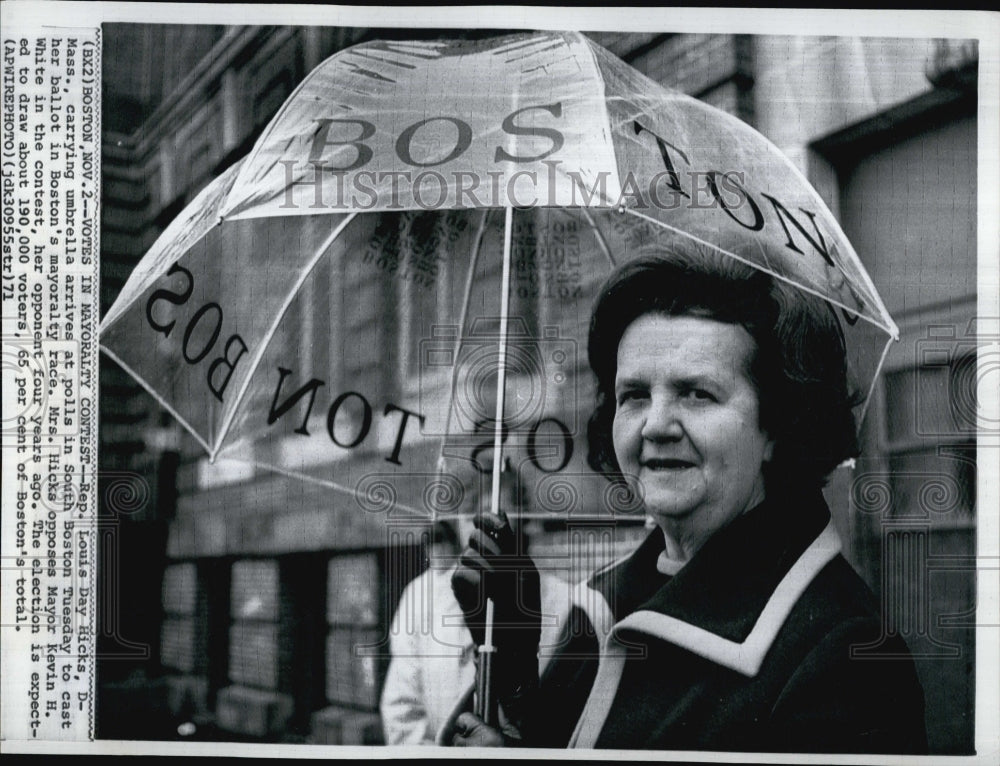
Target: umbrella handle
486	707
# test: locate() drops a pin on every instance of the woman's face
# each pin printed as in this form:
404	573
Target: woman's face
686	425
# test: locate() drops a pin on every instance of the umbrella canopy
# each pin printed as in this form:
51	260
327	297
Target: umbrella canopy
421	219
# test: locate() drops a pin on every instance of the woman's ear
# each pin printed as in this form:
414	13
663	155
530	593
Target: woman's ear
768	450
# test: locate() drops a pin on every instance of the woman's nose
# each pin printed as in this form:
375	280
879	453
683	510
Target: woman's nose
662	420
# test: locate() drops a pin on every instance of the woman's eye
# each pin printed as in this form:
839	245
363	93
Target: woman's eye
701	395
630	395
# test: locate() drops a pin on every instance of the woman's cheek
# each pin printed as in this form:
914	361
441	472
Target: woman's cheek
621	429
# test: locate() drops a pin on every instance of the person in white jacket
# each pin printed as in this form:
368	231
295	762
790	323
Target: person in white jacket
433	655
432	651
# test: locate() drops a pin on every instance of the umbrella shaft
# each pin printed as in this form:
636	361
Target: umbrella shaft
486	703
501	370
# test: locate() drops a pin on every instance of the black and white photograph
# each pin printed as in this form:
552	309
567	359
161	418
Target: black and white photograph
522	380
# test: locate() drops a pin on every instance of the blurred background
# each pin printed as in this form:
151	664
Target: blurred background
242	605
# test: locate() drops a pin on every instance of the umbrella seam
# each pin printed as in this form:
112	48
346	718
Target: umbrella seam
600	237
316	480
605	117
269	129
878	371
888	324
466	300
152	392
891	331
115	312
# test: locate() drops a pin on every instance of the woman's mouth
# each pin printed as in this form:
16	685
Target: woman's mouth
665	464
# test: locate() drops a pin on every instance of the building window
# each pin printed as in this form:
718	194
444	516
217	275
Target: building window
181	634
930	438
255	635
353	597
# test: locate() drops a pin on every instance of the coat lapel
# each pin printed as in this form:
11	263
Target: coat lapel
726	605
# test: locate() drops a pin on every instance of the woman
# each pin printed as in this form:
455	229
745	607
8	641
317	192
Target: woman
723	405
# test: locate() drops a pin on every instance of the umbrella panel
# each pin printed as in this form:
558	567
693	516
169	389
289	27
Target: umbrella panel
191	334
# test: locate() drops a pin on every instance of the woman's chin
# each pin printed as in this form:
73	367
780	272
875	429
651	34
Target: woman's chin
670	511
669	498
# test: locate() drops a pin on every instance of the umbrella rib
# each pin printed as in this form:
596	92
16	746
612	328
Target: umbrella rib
266	134
466	299
888	325
262	348
878	371
893	331
312	479
600	237
152	392
142	278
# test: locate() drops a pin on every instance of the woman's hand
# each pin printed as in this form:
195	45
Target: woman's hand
470	731
494	566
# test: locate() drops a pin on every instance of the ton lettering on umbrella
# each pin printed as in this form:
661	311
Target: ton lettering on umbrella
310	388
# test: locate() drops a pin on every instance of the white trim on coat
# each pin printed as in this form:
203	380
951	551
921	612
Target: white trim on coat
746	657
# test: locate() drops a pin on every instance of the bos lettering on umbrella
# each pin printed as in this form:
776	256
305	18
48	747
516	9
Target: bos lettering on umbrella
403	145
201	333
195	349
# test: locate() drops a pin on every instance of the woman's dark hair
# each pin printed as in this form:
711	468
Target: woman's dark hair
799	367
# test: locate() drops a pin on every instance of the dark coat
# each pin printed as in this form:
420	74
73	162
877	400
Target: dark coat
758	644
